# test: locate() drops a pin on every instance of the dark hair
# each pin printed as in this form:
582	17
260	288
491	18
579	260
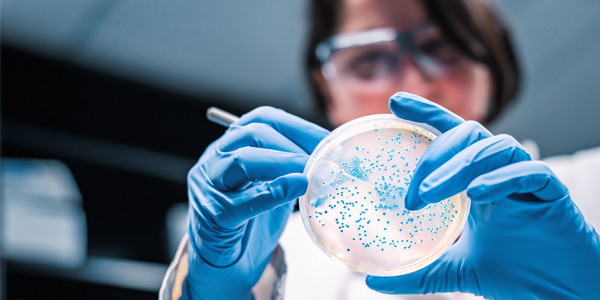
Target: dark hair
474	26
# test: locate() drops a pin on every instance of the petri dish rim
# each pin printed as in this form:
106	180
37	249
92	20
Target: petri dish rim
356	127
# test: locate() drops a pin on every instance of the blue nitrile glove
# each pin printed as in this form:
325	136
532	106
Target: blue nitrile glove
525	239
241	193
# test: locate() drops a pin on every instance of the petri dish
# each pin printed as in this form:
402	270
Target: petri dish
354	206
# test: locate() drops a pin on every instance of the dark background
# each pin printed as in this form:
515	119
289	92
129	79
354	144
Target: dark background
55	110
118	90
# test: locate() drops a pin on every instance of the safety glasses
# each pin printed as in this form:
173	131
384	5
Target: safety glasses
372	60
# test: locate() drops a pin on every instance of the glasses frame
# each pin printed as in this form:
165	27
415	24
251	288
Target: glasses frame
325	49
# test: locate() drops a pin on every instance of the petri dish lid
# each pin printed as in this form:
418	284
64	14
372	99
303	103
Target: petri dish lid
354	206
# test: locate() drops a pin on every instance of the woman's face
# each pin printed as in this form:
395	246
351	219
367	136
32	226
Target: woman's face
464	88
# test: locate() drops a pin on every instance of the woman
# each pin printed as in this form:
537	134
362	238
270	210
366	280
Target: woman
524	239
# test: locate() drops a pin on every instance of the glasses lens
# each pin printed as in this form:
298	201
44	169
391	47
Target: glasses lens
374	66
431	42
368	63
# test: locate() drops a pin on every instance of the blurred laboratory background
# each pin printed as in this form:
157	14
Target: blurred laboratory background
103	113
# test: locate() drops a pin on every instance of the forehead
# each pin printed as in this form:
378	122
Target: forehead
359	15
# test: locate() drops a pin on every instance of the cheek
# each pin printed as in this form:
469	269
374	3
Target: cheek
466	91
348	104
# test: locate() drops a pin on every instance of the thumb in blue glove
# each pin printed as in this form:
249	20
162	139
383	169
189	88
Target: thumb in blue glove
525	238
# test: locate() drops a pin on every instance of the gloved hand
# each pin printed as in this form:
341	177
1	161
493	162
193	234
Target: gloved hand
241	193
525	239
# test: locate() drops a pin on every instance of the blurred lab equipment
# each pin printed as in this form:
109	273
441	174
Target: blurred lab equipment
43	221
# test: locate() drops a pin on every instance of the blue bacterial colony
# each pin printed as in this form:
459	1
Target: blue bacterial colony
355	206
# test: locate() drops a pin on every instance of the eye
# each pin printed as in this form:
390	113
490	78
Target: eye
370	64
442	51
434	44
366	62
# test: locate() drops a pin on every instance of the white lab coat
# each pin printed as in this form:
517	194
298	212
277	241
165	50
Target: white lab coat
312	275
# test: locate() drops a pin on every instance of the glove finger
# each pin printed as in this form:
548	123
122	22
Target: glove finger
523	177
218	219
265	196
256	135
442	276
439	152
236	170
480	158
418	109
303	133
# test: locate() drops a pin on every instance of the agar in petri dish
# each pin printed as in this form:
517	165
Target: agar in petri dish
354	206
